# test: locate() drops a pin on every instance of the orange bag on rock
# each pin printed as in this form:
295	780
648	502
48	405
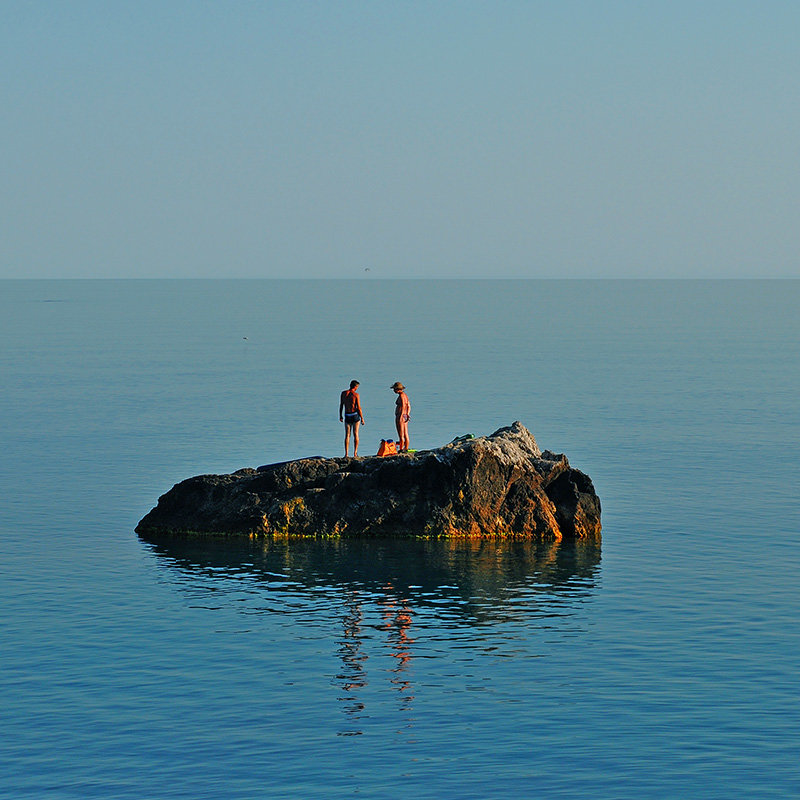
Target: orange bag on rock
387	448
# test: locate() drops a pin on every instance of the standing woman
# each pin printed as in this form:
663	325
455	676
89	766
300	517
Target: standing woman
402	414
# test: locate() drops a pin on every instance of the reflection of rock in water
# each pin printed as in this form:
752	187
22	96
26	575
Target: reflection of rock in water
395	587
425	570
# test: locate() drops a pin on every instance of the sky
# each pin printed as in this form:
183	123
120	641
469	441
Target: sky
540	139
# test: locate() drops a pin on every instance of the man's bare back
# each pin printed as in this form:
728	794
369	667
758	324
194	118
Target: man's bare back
351	402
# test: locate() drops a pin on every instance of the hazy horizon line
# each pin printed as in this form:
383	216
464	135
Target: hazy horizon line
443	279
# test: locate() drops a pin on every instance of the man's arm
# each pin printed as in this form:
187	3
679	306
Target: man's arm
358	408
341	406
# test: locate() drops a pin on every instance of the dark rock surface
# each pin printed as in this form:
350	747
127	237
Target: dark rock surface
498	485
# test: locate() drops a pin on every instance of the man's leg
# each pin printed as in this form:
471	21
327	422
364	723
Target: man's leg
346	438
355	439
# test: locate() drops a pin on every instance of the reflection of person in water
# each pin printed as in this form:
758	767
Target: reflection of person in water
397	619
398	622
353	674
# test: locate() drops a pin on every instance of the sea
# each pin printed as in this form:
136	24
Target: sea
663	663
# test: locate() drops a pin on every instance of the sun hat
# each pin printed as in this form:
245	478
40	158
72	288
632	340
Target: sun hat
397	385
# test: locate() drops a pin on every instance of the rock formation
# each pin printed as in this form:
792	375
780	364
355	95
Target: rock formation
498	485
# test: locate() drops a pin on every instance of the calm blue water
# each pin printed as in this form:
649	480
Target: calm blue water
665	665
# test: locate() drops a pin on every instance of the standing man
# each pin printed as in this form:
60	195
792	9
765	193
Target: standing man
353	416
402	413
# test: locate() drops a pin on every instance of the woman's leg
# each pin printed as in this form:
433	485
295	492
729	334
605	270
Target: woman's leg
402	432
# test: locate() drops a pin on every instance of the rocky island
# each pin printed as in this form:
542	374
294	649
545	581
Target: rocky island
498	485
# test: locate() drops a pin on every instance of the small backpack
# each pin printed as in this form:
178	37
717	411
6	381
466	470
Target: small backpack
387	448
